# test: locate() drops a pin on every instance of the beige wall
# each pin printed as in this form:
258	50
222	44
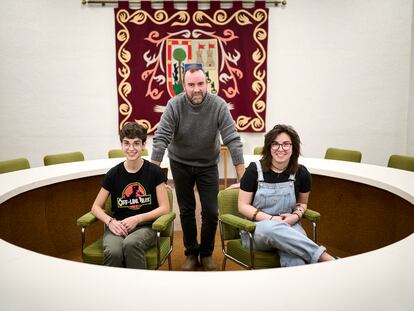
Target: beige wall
410	117
339	71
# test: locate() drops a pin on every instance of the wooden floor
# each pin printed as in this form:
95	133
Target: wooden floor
178	256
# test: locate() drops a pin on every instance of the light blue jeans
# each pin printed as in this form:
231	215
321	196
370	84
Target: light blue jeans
128	251
291	242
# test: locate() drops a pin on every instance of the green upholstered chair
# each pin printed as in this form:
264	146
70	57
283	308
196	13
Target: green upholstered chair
343	155
117	153
231	221
155	256
14	165
401	162
257	150
59	158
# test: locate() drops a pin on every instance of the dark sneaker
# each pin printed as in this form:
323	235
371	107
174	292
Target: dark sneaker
208	263
190	263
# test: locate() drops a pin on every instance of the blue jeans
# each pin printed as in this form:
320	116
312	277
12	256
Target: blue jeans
291	243
207	181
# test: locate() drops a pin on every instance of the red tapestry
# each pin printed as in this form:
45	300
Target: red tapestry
154	45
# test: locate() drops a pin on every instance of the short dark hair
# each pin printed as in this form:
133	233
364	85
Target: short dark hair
193	68
270	137
133	130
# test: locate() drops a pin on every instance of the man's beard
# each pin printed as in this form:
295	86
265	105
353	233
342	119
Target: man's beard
197	99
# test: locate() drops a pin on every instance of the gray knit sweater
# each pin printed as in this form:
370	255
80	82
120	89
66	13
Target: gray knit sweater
191	132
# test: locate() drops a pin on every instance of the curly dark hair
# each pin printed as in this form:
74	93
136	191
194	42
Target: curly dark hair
133	130
270	137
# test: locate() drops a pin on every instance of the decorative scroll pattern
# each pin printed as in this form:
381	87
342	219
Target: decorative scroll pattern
153	47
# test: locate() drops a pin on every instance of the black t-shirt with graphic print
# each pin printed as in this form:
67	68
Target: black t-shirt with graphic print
303	179
133	193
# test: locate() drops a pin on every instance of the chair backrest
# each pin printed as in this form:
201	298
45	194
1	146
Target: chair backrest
228	204
343	155
257	150
51	159
117	153
14	165
169	232
401	162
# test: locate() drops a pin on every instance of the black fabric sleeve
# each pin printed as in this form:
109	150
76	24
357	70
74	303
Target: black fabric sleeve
159	174
108	181
305	179
248	182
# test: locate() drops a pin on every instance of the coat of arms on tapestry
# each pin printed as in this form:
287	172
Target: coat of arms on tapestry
153	47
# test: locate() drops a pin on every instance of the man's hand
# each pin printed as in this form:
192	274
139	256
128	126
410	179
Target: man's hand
234	186
240	169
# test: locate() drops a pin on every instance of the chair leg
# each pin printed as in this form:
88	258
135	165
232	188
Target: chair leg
314	231
251	264
82	240
158	250
169	262
223	266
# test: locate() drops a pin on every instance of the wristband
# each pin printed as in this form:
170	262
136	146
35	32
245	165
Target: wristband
297	215
297	207
109	221
255	214
271	217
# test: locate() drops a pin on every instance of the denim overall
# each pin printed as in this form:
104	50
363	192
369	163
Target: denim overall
291	242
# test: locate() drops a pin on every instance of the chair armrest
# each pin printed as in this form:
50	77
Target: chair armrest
162	222
238	222
312	215
86	220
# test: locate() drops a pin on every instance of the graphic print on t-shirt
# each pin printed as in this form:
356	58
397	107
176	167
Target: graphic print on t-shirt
134	196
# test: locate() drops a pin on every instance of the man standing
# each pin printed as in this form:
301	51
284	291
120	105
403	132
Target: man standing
190	128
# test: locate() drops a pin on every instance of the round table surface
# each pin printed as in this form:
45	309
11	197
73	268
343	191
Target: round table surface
396	181
376	280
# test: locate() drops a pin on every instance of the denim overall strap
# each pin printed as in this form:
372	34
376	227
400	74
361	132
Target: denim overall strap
259	171
274	198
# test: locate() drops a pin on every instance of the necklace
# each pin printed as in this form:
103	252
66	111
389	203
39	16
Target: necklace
277	169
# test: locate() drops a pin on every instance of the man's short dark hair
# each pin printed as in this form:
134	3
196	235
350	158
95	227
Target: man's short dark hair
193	68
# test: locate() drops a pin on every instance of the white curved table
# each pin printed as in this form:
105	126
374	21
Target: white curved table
396	181
399	182
14	183
376	280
